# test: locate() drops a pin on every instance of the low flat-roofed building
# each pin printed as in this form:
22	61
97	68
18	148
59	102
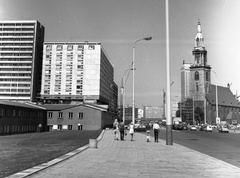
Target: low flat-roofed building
17	117
78	117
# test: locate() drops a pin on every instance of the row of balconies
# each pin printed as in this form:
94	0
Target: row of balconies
24	35
17	25
14	43
14	40
16	61
15	77
15	72
16	56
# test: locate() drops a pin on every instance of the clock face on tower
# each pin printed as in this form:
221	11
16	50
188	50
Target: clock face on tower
197	59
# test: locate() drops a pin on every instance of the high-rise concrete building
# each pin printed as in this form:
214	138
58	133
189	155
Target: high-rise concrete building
76	73
21	44
185	81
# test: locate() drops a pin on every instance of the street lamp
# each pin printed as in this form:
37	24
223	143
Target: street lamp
217	118
169	140
124	81
133	67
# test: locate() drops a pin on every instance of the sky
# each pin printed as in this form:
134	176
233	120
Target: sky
117	24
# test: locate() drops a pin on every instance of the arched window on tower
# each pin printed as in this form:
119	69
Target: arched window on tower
196	75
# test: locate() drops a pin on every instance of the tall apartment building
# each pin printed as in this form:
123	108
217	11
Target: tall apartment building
185	81
21	44
75	73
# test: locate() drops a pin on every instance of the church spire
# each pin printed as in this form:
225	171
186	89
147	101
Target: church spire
199	40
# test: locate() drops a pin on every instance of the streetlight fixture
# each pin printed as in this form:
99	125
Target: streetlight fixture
217	118
133	68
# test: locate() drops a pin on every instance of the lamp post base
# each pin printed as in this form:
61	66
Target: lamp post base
169	140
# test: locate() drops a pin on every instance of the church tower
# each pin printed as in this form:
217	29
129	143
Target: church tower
200	79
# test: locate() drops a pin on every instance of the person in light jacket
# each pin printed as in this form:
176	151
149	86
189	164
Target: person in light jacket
156	128
131	130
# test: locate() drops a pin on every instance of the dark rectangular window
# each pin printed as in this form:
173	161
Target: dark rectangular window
50	115
60	115
80	115
70	115
69	127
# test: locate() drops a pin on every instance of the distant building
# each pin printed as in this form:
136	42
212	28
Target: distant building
77	73
153	112
174	107
185	81
140	113
21	45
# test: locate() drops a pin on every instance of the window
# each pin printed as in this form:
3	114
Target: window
70	47
69	127
196	75
49	47
70	115
80	115
207	76
59	127
59	47
50	115
91	47
80	47
2	111
197	87
60	115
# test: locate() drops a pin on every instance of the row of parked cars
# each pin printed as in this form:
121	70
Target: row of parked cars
210	128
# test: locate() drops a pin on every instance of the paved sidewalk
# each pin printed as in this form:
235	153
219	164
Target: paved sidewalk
137	159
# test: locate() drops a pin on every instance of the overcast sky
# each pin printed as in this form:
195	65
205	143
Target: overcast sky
118	23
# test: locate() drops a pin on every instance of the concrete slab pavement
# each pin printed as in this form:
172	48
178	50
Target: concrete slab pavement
139	158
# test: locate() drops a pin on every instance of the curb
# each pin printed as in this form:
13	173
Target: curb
34	170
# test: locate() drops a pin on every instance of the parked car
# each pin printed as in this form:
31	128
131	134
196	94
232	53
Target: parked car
208	128
223	129
140	128
193	128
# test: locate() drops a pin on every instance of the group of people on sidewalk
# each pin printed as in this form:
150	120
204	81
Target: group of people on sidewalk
119	130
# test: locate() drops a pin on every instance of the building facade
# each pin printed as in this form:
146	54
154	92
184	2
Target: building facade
21	44
78	117
75	73
228	106
16	117
153	112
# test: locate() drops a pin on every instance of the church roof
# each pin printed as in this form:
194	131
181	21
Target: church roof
225	97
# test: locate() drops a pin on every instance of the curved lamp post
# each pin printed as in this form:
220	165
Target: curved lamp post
133	68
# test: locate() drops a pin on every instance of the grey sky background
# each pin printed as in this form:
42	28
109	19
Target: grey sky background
118	23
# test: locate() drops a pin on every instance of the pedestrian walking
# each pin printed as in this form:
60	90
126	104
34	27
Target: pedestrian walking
156	128
39	128
121	129
116	129
148	132
131	130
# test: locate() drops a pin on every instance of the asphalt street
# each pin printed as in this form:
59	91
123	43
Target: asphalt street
222	146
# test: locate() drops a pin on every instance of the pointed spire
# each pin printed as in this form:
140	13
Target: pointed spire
199	40
199	30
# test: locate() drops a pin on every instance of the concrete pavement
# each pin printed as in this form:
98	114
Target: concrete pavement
138	159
